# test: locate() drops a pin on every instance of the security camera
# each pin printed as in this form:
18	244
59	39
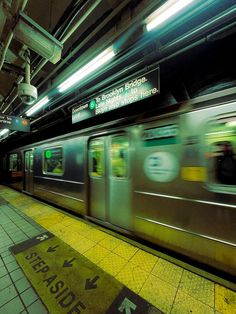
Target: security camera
27	93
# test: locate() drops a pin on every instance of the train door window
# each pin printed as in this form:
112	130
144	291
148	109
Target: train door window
53	161
221	146
119	156
31	161
26	160
14	162
96	158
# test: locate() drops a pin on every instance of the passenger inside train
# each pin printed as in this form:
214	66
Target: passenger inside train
97	162
58	168
119	164
226	164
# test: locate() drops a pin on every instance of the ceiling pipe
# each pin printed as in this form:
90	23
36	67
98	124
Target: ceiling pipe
5	48
64	23
118	9
68	18
166	53
3	16
69	34
16	7
213	26
80	21
44	61
96	30
173	47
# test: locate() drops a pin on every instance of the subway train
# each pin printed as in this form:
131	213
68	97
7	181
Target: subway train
169	178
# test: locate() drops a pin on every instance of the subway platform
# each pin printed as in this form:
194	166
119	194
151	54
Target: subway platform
53	262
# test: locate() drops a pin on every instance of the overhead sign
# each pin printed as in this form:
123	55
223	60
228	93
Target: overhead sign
68	283
136	89
14	123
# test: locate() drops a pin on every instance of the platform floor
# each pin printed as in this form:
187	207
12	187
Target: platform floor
168	287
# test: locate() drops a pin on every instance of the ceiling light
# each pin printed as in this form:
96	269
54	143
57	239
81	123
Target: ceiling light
37	106
167	10
91	66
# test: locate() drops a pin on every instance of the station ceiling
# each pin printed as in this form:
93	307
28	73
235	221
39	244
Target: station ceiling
194	50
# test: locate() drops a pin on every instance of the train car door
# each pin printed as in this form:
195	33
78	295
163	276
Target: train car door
28	171
110	187
97	181
119	182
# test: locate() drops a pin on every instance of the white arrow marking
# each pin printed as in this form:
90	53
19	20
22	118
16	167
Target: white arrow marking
127	305
43	237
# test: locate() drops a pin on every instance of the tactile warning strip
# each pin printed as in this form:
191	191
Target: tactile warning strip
67	282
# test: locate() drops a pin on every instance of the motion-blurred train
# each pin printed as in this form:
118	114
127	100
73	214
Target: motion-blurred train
170	179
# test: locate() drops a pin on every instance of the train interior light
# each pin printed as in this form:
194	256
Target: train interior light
166	11
90	67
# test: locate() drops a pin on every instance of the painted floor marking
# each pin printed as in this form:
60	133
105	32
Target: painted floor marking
69	283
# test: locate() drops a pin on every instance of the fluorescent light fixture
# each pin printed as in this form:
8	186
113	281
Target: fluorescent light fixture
167	10
37	38
3	132
37	106
91	66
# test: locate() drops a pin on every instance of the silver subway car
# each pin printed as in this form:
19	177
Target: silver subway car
170	179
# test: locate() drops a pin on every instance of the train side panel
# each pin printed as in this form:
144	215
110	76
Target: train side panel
173	202
60	173
170	180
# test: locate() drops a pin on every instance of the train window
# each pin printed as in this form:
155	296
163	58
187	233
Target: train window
53	161
96	158
14	162
119	156
221	143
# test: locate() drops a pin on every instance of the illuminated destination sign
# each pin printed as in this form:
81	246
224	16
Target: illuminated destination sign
129	92
14	123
